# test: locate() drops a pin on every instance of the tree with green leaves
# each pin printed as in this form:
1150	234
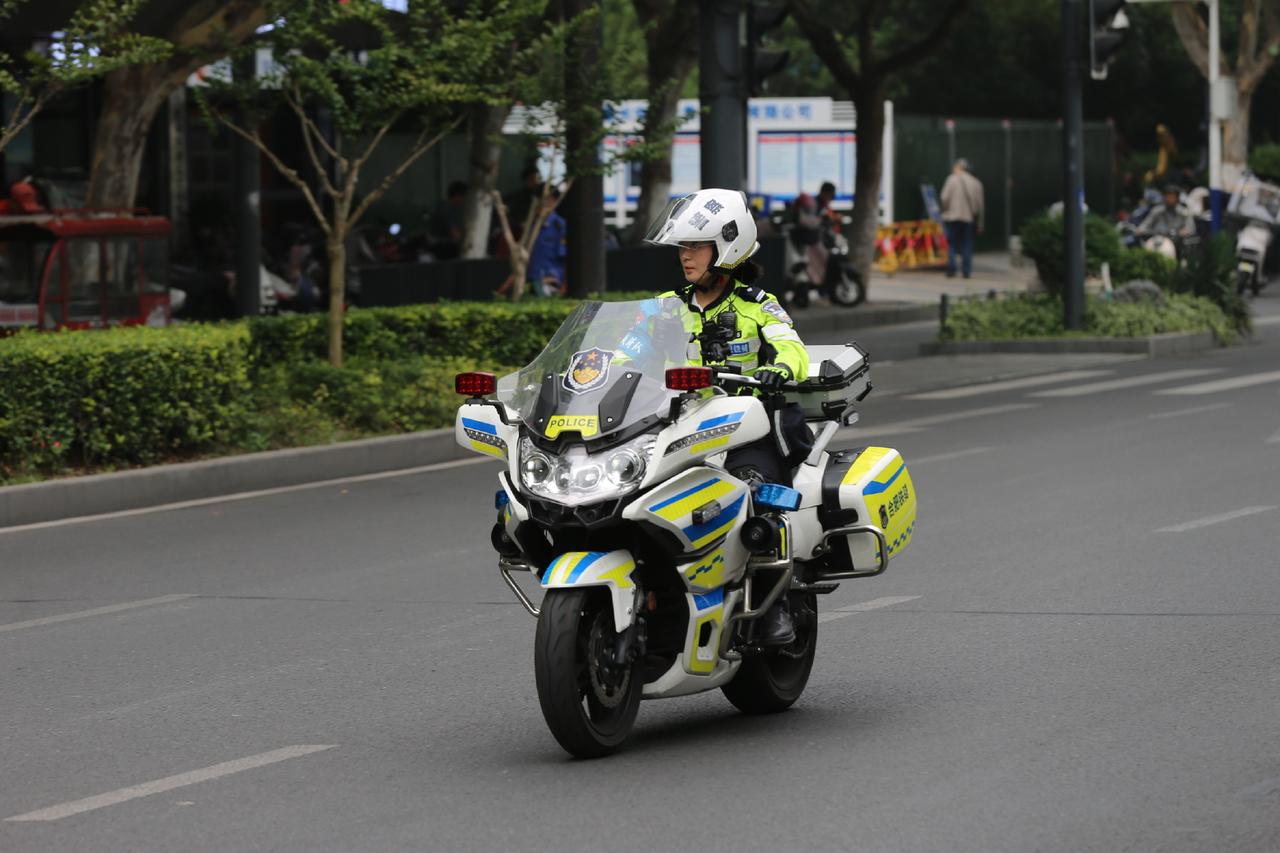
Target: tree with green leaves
567	118
864	44
1257	46
374	72
95	40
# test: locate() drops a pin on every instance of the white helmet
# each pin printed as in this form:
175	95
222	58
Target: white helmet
719	216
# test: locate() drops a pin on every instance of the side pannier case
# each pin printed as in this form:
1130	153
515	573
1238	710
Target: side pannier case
838	378
867	487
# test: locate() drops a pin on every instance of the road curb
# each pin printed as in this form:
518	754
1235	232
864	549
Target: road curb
835	318
1152	346
164	484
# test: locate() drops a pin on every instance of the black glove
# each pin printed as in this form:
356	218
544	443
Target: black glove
771	377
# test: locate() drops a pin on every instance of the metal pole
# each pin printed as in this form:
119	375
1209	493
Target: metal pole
722	94
1215	124
1072	167
246	193
1008	182
585	265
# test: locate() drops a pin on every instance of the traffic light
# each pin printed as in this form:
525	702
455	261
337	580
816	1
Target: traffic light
1108	28
761	63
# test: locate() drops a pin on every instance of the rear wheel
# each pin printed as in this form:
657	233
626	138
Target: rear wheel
847	291
589	702
773	679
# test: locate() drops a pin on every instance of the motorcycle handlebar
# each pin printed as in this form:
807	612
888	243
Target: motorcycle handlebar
739	379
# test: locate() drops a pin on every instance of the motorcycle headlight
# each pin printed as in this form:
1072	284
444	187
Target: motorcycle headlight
625	467
577	477
535	466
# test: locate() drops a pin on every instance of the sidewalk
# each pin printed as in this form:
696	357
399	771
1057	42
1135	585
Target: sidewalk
991	271
910	296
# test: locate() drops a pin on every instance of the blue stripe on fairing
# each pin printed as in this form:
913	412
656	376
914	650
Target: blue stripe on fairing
877	488
583	564
712	599
723	419
724	519
669	501
479	426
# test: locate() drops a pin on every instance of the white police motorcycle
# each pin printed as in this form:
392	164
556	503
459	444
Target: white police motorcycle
654	562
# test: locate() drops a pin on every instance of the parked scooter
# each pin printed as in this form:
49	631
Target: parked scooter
809	277
1255	204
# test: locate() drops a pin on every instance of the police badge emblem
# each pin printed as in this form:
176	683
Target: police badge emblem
588	370
777	311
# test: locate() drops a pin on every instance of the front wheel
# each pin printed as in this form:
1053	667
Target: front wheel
773	679
589	702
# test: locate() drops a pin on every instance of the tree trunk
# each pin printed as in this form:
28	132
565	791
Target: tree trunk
337	252
1235	142
131	97
584	200
485	133
869	164
670	61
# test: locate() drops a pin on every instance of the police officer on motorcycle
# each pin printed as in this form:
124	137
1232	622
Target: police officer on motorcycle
739	326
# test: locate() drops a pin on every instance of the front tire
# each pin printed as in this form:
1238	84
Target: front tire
589	703
773	679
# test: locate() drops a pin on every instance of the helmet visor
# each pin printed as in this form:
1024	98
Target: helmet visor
665	230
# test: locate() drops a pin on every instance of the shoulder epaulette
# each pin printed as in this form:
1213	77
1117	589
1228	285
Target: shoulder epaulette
752	293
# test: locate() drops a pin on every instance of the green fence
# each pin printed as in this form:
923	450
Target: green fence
1019	162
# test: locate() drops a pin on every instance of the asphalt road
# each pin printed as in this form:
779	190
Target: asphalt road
1078	652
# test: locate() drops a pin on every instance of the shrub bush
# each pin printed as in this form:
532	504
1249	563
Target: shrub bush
1264	161
1211	273
1041	316
1144	265
481	332
118	396
1042	241
382	396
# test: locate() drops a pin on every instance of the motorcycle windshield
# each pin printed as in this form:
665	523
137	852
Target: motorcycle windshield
603	370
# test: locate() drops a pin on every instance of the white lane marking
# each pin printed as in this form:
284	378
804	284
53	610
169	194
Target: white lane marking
1008	385
1275	438
1231	384
159	786
874	604
1267	321
1129	382
1215	519
97	611
1177	413
244	496
955	454
919	424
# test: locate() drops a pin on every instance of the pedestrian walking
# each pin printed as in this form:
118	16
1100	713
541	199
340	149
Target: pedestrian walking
962	214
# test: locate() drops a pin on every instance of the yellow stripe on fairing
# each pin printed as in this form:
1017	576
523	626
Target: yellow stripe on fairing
714	534
481	447
620	575
867	460
710	445
680	509
571	562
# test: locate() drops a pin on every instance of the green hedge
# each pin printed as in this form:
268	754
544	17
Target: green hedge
1143	264
481	332
1043	240
1041	316
120	396
1264	160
